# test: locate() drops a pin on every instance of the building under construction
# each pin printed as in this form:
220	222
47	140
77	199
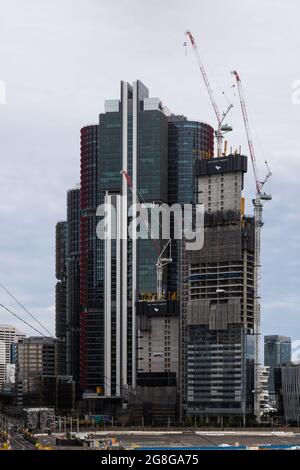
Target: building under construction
217	299
163	331
218	187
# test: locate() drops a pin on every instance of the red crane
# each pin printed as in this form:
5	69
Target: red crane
258	223
222	128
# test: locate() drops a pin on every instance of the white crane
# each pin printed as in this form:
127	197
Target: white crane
222	128
258	223
162	261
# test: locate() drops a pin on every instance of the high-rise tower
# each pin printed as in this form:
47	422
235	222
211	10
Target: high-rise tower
91	282
73	285
9	335
217	298
61	296
127	345
277	351
187	142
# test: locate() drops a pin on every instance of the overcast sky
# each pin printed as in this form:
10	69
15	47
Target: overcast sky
60	59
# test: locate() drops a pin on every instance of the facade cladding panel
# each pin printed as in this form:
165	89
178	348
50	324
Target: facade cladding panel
91	284
61	296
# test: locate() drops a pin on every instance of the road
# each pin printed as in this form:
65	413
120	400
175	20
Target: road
17	442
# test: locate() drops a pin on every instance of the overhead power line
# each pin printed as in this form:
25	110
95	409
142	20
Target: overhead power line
25	309
21	319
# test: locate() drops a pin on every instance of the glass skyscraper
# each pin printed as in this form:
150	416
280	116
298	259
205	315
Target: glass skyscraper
91	282
137	134
277	351
61	296
187	142
132	135
73	284
67	309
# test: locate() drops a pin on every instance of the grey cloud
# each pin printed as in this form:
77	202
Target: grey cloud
60	59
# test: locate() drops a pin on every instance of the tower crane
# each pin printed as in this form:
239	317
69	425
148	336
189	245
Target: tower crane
258	223
222	128
162	261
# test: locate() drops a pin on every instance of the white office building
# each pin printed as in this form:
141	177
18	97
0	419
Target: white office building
8	336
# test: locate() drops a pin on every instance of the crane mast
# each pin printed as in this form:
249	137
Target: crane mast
222	129
258	223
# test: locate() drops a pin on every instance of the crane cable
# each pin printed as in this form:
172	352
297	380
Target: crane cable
25	309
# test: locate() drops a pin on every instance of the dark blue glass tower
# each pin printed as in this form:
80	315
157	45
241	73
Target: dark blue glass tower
187	141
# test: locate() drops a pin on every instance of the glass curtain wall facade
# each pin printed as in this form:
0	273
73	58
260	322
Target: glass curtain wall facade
73	284
277	350
138	137
61	296
187	141
152	185
131	136
287	392
91	282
